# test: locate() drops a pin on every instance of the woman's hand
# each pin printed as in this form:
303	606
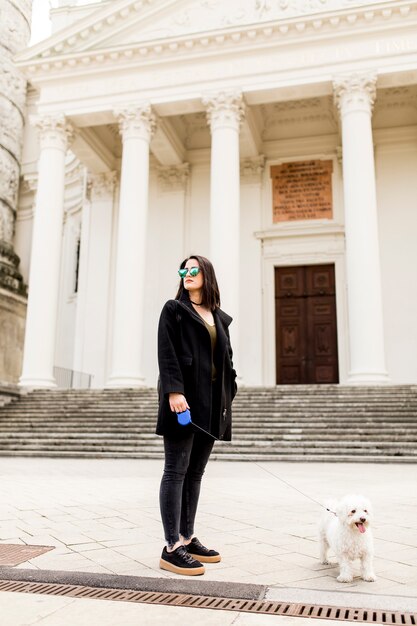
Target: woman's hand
177	402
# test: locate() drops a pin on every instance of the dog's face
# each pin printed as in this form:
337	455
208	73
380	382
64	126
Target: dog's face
355	512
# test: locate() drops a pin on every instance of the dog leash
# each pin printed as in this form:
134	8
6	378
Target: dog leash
295	489
184	418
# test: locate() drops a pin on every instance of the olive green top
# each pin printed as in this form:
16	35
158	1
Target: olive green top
213	338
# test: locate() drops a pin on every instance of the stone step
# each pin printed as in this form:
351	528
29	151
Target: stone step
250	411
243	446
283	423
312	458
242	430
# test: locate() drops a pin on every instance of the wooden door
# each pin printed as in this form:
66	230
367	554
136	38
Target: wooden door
306	330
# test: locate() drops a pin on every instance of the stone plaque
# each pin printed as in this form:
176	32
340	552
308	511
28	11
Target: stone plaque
302	190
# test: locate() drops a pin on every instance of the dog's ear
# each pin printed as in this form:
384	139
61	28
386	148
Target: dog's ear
367	506
342	511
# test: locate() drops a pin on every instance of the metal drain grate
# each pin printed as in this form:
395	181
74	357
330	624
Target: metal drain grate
368	616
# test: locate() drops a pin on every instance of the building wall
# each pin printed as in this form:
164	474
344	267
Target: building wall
305	127
396	165
179	225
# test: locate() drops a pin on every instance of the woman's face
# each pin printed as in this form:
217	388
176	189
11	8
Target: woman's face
192	283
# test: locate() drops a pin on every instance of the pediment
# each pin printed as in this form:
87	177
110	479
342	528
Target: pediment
130	22
204	16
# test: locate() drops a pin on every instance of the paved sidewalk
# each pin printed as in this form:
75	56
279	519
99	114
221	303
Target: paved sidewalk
102	516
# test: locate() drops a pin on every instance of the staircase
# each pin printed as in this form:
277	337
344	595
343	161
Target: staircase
285	423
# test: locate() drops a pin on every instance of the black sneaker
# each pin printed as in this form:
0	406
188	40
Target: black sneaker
180	561
200	552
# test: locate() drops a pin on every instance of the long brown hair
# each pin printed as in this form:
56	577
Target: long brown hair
210	289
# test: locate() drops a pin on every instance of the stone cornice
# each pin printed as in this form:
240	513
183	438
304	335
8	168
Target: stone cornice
354	20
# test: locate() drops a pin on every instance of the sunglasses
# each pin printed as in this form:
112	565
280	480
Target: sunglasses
193	271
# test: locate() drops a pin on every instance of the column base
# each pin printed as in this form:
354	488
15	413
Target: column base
368	378
37	383
117	381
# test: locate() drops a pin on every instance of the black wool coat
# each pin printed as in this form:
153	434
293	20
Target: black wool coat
185	366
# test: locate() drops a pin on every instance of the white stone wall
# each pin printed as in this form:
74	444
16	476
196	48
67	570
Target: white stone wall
397	214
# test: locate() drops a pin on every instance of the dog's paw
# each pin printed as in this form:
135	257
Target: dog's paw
370	578
325	562
344	578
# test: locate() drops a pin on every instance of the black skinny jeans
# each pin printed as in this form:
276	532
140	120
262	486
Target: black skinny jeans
185	462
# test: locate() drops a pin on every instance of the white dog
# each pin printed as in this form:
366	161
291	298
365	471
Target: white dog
346	530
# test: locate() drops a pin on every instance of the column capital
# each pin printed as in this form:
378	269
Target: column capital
355	92
173	177
55	131
251	169
101	185
136	121
225	109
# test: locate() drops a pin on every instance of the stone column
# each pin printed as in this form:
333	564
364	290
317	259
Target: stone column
355	96
225	112
137	125
172	188
39	350
15	16
93	298
14	36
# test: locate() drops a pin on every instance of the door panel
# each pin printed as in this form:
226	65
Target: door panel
291	340
306	330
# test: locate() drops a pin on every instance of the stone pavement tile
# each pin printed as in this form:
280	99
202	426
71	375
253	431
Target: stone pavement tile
141	550
266	536
225	524
398	571
14	535
302	560
86	547
132	568
18	609
99	532
323	582
289	576
104	556
66	562
276	578
28	610
257	564
48	540
80	513
404	536
408	556
248	619
227	574
399	590
93	568
268	550
129	538
71	539
117	522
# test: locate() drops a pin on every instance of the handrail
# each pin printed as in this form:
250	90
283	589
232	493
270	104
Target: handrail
71	379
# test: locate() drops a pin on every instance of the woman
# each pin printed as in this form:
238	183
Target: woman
196	373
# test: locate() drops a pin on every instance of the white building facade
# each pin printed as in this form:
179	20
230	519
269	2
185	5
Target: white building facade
276	137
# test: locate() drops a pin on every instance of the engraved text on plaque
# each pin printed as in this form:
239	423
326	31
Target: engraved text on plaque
302	190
